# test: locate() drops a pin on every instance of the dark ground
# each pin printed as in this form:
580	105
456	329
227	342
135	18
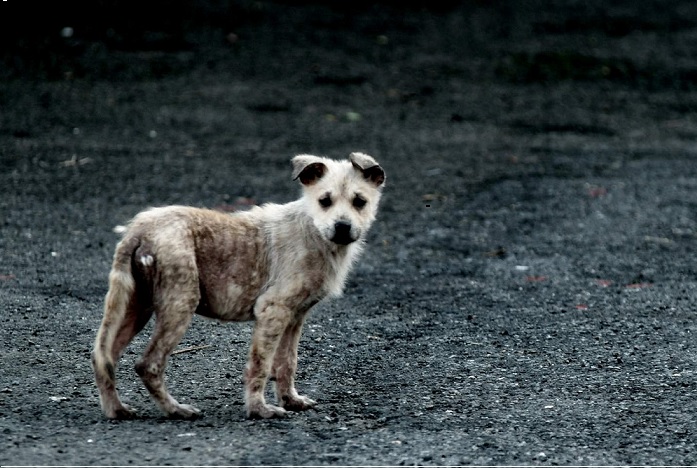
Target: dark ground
528	293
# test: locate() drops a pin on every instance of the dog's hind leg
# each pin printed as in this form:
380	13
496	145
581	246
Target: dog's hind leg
284	366
176	301
122	320
135	320
140	309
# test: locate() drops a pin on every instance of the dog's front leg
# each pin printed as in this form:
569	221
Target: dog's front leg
284	366
272	320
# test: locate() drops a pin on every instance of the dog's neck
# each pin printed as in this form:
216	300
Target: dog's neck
340	263
339	259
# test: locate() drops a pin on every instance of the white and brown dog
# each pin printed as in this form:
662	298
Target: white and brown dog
270	264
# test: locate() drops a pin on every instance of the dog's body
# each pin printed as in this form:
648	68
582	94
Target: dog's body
270	264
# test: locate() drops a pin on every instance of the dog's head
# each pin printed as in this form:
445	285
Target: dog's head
341	197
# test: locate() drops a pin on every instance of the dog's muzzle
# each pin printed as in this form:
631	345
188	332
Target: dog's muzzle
342	233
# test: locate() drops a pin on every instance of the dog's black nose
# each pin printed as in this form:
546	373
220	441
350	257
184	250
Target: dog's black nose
342	233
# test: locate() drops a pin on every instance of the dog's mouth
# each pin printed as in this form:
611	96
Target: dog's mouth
342	234
342	240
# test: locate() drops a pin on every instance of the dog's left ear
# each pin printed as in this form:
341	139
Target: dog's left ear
309	169
369	167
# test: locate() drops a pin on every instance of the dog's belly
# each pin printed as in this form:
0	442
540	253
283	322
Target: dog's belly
231	265
229	302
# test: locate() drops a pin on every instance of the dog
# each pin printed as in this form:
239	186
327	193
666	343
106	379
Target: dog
270	264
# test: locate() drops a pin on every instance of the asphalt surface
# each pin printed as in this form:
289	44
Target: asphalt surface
527	296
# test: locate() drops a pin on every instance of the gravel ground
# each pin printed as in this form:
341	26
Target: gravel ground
528	292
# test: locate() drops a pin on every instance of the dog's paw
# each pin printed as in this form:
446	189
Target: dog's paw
183	412
298	403
122	411
265	411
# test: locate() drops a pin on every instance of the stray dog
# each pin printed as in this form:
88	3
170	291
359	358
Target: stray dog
270	264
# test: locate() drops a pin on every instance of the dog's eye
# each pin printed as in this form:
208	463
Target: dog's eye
326	202
359	202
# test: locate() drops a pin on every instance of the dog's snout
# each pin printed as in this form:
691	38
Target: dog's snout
342	233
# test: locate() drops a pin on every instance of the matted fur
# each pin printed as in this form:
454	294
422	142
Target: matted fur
270	264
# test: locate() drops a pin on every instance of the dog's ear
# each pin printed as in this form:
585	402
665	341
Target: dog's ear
369	167
309	169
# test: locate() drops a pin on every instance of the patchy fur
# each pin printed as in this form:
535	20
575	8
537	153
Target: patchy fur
270	264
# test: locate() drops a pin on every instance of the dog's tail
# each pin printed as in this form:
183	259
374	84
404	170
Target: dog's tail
121	289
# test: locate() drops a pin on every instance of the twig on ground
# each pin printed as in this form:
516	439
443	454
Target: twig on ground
190	349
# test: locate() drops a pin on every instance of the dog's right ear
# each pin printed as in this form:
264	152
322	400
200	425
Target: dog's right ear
309	169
